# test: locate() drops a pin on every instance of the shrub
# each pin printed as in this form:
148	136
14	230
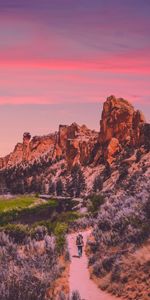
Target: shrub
115	276
17	232
60	231
39	233
98	269
27	271
75	295
108	263
122	224
96	201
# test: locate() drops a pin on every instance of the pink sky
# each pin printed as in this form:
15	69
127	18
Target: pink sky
68	52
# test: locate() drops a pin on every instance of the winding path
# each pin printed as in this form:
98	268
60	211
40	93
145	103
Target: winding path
79	275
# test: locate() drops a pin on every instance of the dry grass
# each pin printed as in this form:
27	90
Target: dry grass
62	283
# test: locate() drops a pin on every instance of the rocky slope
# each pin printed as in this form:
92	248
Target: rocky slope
118	256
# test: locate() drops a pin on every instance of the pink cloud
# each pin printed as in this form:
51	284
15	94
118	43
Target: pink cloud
113	63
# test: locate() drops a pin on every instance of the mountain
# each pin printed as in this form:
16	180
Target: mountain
123	139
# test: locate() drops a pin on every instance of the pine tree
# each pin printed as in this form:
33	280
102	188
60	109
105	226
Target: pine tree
76	185
81	183
59	187
97	184
52	187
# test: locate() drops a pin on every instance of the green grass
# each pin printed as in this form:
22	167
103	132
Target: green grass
23	213
16	203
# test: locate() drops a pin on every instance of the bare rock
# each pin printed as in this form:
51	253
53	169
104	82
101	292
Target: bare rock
120	125
113	148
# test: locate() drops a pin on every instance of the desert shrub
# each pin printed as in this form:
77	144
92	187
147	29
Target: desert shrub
98	269
92	260
39	232
116	271
108	263
75	295
17	232
122	224
27	271
47	224
123	171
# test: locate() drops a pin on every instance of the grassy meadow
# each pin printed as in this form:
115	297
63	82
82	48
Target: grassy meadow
16	203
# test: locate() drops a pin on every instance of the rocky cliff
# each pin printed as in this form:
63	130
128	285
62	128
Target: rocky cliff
120	126
73	142
124	136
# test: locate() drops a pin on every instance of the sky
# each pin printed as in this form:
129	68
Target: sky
60	60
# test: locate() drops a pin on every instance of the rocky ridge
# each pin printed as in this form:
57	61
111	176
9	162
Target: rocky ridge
73	142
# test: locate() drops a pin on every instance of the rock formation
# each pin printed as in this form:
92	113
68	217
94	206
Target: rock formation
73	142
123	139
80	142
29	149
120	125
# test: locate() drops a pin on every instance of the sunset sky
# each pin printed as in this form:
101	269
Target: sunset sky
60	59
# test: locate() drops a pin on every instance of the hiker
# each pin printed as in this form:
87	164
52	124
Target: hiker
80	244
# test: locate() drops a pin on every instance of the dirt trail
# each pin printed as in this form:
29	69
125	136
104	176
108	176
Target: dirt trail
79	275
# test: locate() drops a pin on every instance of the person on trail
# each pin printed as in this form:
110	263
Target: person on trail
79	243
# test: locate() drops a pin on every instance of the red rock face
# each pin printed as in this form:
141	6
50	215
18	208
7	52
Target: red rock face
119	120
78	142
74	142
29	150
120	125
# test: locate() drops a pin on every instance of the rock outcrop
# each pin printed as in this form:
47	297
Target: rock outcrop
79	142
120	125
74	143
29	149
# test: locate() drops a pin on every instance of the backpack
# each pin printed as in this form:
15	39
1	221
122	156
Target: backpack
79	240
